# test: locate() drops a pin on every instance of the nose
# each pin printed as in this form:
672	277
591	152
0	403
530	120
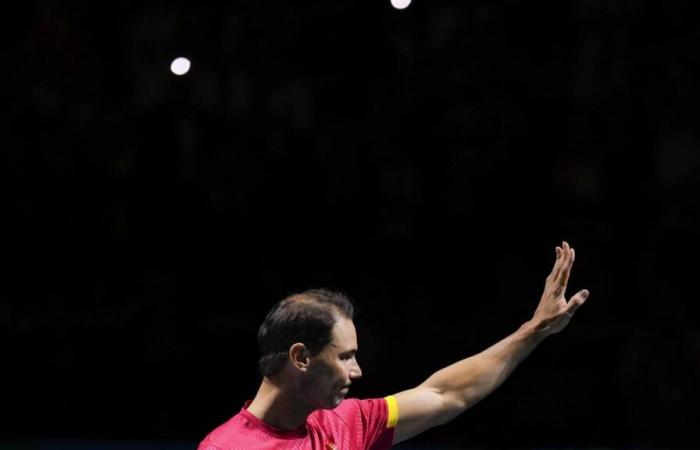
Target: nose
355	371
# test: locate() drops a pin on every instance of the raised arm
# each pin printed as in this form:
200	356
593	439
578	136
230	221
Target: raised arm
454	389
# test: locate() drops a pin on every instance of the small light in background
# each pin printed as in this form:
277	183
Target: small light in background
180	66
400	4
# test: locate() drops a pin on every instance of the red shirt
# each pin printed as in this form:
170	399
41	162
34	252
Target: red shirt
352	425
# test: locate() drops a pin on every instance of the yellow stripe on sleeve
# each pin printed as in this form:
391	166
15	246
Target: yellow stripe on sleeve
393	407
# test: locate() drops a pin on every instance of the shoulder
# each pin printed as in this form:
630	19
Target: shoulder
351	412
228	434
365	406
357	423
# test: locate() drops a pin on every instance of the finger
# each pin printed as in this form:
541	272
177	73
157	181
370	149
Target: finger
562	278
562	262
561	256
557	262
576	301
566	270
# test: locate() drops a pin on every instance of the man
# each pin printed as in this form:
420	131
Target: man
308	345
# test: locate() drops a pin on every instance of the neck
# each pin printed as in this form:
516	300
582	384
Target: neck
279	405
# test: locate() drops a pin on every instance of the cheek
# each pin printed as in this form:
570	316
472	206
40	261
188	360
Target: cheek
338	373
334	375
327	375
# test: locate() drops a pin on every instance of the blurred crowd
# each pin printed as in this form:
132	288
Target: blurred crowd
355	146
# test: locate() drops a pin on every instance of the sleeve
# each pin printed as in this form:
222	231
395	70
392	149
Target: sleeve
373	420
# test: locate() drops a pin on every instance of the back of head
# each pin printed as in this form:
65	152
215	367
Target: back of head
307	317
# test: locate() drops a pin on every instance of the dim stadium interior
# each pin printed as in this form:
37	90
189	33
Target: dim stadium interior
172	169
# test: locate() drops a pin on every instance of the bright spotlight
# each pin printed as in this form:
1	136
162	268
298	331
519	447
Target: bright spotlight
400	4
180	66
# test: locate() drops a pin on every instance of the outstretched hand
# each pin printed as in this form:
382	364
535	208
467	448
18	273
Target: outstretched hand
554	311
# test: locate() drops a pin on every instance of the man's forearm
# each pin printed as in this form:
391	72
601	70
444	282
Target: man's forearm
465	382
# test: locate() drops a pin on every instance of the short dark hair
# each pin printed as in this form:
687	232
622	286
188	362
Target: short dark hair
307	317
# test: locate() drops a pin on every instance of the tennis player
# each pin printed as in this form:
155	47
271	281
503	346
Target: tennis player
308	343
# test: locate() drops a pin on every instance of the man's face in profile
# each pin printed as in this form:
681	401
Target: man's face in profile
332	371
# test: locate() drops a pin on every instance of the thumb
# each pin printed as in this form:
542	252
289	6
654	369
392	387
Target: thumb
576	301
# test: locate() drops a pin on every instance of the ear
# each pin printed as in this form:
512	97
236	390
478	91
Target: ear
299	356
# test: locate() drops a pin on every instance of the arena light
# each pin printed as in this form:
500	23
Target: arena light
400	4
180	66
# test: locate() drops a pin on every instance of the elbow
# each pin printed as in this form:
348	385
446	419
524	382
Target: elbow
442	405
451	406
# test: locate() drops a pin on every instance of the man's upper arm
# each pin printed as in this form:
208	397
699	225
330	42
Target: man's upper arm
419	409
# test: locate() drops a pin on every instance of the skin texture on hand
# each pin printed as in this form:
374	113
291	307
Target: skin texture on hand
554	312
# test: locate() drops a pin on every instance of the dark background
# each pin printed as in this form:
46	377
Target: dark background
424	161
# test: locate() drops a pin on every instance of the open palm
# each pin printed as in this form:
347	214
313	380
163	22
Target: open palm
554	312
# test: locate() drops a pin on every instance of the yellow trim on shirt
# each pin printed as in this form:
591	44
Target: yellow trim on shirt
393	408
